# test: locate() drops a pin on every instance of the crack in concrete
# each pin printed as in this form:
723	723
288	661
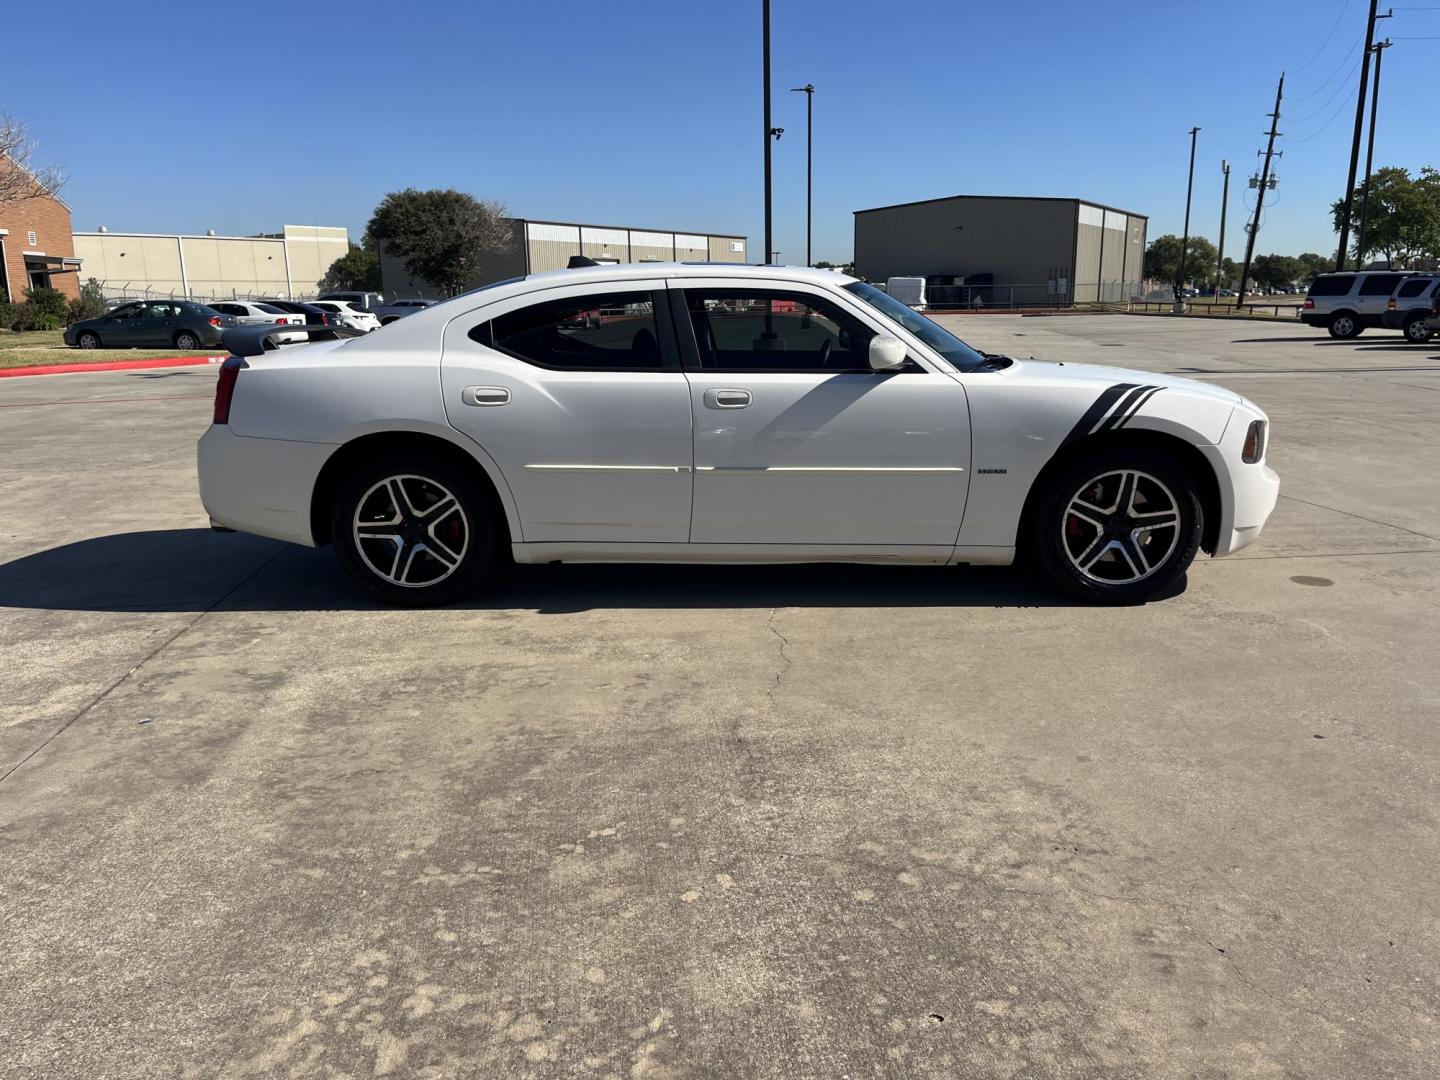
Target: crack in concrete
784	642
143	661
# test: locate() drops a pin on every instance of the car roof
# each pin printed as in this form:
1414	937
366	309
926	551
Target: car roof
619	272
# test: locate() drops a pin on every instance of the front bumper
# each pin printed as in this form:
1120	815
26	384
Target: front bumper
1248	493
260	486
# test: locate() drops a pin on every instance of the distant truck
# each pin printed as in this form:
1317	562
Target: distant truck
908	290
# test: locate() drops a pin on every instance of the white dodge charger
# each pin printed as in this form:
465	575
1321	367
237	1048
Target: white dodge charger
718	413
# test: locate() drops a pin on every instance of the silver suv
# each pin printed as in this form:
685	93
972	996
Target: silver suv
1410	305
1345	304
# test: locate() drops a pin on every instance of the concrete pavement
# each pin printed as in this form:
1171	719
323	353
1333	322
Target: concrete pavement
728	822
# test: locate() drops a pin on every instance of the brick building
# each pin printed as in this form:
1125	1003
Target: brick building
36	245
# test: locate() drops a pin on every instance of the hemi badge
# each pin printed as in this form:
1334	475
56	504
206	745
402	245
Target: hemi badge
990	472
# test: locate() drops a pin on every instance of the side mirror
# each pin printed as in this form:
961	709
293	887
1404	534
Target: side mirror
886	353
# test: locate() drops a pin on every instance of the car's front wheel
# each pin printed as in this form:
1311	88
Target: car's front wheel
1416	331
88	339
415	532
1118	527
1345	325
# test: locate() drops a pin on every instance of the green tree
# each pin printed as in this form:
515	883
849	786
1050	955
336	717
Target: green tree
90	304
1274	271
1315	265
357	269
1402	217
441	235
1162	259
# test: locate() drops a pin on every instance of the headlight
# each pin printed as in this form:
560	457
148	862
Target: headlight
1254	448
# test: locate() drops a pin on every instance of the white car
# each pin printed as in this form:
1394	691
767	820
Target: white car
255	313
348	314
719	413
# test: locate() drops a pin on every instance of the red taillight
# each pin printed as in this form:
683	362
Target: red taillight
1390	304
225	390
1309	303
324	320
214	320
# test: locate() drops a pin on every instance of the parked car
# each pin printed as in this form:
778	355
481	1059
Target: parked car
1347	303
253	313
398	309
704	426
1410	305
313	315
159	324
349	315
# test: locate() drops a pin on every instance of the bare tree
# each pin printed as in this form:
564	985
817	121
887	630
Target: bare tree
19	179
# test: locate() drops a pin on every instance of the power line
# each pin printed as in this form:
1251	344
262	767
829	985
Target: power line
1346	85
1345	61
1343	9
1321	129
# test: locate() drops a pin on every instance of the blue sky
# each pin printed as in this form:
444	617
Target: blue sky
647	112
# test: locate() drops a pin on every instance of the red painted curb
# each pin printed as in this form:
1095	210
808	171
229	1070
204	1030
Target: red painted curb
111	365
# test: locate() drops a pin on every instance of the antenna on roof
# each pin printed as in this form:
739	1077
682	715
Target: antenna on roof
577	261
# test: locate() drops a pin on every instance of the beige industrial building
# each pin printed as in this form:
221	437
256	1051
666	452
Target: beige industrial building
549	245
998	250
287	264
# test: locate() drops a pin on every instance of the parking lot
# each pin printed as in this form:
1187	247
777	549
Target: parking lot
726	821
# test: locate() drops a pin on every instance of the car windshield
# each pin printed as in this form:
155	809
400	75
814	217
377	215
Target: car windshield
960	355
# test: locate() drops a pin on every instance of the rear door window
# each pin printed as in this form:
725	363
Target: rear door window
616	331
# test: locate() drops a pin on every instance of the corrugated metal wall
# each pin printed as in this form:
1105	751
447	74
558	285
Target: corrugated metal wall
1038	250
1019	241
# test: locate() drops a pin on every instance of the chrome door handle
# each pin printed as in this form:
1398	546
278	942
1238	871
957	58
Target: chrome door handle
723	398
485	395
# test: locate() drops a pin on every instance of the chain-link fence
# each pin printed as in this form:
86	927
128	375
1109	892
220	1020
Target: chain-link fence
1056	294
117	292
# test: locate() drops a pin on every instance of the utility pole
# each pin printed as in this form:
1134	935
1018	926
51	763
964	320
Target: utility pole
1355	142
769	131
1185	239
1380	47
809	91
1224	202
1265	182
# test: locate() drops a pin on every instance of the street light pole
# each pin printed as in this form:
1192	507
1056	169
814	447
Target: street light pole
1224	202
1185	239
769	131
809	91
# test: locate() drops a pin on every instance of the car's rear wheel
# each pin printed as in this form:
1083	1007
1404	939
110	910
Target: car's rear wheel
414	532
1345	325
88	339
1416	331
1119	526
186	340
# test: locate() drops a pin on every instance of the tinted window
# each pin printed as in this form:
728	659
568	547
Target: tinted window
767	330
230	309
1379	284
269	309
601	332
1334	285
162	311
129	311
1414	287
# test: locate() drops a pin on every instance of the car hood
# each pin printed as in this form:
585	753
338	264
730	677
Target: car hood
1100	376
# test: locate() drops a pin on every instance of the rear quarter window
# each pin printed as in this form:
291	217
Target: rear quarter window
1379	284
1413	288
1338	285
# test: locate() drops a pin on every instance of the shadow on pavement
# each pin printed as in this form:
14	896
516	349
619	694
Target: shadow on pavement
196	569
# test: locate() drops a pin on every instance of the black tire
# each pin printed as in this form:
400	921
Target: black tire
424	478
187	340
1345	324
1060	539
88	339
1415	330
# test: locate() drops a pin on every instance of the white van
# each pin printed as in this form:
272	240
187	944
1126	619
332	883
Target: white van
908	290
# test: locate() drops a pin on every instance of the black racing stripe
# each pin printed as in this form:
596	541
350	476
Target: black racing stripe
1113	420
1101	406
1135	409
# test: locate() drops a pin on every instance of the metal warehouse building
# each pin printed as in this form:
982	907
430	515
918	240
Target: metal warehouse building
287	263
549	245
1002	250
